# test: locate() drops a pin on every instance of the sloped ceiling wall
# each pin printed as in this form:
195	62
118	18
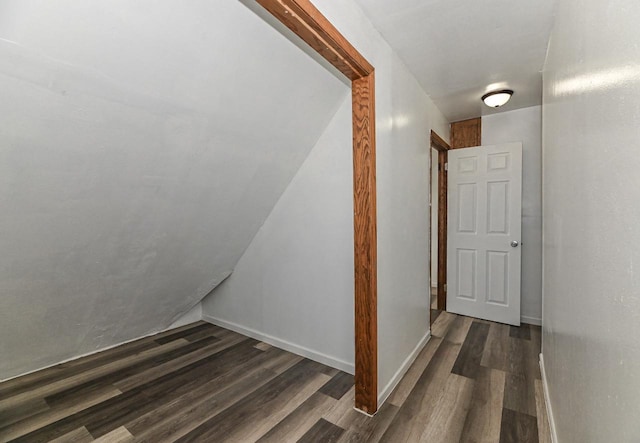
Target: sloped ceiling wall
142	145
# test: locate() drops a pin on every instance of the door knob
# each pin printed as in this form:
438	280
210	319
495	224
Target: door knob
514	244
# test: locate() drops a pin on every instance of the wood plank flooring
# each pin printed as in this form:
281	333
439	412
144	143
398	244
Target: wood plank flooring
475	381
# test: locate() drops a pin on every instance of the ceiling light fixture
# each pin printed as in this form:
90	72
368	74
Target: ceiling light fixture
495	99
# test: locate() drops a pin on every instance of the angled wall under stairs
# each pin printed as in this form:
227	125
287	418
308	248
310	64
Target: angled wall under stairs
142	145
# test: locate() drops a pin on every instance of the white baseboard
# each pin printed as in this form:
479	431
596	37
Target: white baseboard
283	344
547	402
406	364
531	320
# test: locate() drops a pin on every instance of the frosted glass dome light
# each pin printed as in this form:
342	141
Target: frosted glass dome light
496	99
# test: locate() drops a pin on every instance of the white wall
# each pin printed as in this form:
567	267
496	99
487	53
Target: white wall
405	115
293	286
524	125
403	215
142	145
591	307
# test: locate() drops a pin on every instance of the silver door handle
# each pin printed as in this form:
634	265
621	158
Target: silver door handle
514	244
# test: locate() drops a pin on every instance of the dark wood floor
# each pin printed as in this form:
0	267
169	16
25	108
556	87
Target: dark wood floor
475	381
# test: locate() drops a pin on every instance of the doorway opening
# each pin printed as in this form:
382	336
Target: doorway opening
438	225
316	31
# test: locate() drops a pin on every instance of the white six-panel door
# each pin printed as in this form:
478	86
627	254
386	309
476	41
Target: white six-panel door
484	232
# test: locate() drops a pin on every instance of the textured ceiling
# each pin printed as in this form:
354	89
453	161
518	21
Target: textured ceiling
458	50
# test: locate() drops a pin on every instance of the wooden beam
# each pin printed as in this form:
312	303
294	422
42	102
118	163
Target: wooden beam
311	26
466	133
365	247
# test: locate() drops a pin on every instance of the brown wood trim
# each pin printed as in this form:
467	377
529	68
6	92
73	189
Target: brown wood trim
310	25
365	238
442	147
438	142
442	230
432	318
466	133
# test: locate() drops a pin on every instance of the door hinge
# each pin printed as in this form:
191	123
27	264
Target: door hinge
445	287
446	166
